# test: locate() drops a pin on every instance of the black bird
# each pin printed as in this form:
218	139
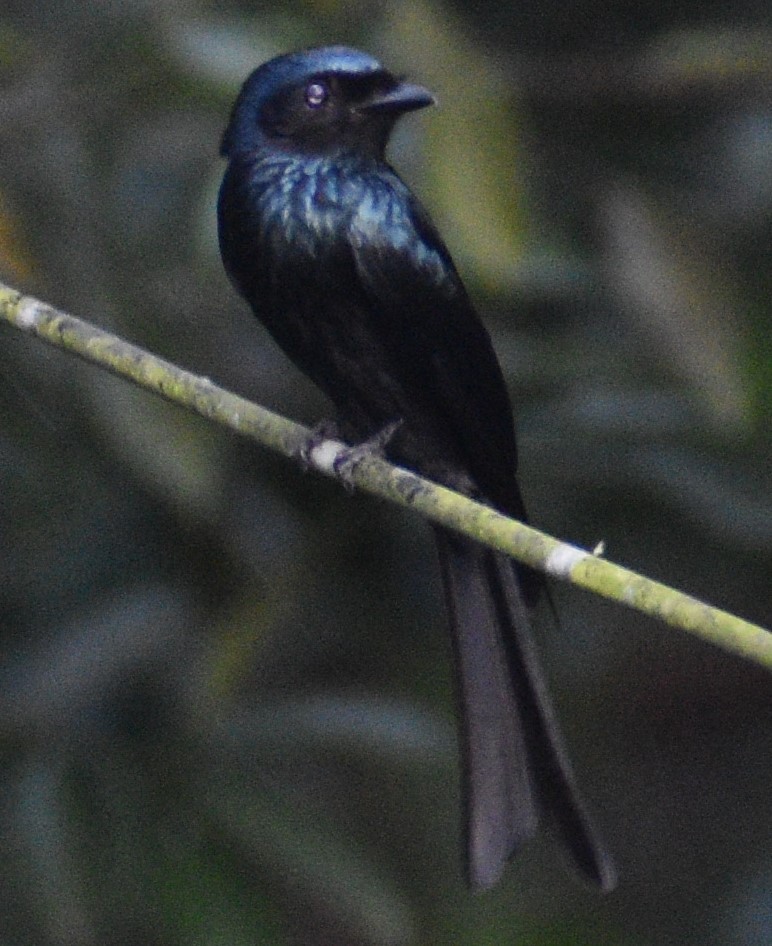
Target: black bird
347	272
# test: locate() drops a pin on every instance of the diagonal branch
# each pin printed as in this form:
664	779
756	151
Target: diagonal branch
559	559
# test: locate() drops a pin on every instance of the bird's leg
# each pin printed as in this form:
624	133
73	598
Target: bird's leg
350	458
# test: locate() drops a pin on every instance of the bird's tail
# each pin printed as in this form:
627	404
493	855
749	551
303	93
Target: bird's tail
514	760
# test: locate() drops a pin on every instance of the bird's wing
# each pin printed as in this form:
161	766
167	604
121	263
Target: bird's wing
439	346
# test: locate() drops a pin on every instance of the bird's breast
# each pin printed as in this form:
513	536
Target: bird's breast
300	206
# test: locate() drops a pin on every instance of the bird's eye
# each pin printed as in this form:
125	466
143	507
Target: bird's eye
317	94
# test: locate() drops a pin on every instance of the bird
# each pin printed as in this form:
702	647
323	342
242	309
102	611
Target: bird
346	270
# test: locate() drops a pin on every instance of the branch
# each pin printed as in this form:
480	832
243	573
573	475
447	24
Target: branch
528	545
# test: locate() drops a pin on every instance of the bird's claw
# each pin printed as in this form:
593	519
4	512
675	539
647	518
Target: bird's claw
349	459
324	430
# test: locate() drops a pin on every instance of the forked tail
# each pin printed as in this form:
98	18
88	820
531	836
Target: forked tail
515	762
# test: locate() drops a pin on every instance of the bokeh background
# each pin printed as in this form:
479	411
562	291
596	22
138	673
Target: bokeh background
225	706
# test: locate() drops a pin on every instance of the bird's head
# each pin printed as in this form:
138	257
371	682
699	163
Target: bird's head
320	101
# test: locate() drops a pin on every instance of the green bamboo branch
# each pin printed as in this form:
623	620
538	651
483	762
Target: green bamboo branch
558	559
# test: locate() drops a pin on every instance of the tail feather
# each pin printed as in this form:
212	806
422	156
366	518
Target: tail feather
514	759
498	792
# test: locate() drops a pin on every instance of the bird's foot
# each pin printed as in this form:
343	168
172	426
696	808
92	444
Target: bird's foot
324	430
349	459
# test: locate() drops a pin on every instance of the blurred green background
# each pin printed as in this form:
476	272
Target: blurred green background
225	706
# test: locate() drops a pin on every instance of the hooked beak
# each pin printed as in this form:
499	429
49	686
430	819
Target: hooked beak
404	97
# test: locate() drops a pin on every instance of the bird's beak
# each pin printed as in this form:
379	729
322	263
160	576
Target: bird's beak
404	97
